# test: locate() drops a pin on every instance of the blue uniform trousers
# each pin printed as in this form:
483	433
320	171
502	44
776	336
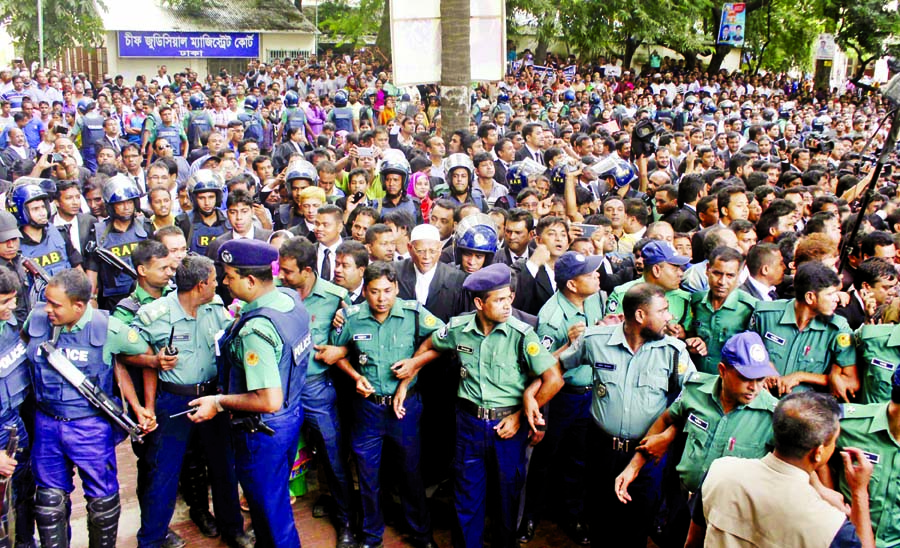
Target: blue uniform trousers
263	467
374	424
613	523
22	484
569	419
89	155
88	444
163	456
483	458
321	415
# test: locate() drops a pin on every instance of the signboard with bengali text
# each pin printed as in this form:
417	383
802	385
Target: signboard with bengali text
188	44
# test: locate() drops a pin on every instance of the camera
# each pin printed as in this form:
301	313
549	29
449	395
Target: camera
642	138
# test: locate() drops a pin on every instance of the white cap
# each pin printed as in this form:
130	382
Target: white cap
425	232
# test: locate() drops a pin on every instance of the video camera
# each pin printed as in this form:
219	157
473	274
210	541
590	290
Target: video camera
642	138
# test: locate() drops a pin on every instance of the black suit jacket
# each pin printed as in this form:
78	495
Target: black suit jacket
446	297
531	292
499	172
212	251
282	154
853	312
8	157
523	153
683	219
750	289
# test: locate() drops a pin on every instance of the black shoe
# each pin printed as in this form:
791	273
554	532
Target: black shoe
526	531
173	540
205	522
578	532
345	538
242	540
429	543
322	506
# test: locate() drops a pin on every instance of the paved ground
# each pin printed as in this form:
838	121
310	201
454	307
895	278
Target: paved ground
314	533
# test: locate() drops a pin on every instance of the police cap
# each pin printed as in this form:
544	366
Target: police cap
489	278
246	253
747	353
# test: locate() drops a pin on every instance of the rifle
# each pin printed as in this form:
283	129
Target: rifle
12	445
91	393
37	271
109	258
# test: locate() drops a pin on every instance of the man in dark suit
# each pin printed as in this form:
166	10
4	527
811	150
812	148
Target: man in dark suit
111	137
518	243
438	287
240	216
875	282
534	143
535	284
685	219
295	144
506	154
766	268
69	216
17	148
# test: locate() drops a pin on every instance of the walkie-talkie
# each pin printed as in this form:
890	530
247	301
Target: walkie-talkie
170	349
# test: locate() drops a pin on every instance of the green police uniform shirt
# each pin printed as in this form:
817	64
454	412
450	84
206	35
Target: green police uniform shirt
554	320
194	338
745	432
120	338
679	302
715	327
323	301
141	297
877	353
867	428
377	346
824	341
630	389
260	344
494	368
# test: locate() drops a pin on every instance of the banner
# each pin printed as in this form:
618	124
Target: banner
825	47
570	72
188	44
733	24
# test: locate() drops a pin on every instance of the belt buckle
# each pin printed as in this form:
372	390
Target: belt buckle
620	445
483	414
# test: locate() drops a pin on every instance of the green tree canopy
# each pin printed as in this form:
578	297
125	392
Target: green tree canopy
67	23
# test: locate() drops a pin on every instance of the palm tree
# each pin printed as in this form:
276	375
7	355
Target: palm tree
455	66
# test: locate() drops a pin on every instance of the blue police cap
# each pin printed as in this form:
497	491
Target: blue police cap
659	251
747	353
573	264
489	278
246	253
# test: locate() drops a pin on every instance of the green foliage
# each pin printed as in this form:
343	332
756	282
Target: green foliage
189	7
866	27
350	24
67	23
780	35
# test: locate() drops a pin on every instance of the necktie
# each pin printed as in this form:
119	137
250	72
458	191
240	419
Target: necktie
326	265
539	158
773	295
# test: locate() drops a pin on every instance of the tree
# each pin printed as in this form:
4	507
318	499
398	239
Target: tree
67	23
350	24
456	70
868	28
779	36
543	16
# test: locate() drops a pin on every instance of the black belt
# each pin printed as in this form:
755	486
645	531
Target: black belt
578	390
622	445
207	388
485	413
388	401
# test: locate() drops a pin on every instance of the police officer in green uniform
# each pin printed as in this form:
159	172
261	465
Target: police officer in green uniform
875	429
727	414
575	305
382	336
662	267
262	370
155	268
322	299
719	312
498	356
809	345
878	353
637	370
190	320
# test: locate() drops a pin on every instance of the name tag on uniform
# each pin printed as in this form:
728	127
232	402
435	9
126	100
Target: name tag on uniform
775	338
605	366
873	457
464	349
363	337
186	337
698	422
883	364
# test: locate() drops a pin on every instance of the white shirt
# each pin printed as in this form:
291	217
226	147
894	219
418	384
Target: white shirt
332	255
72	228
761	288
534	269
423	282
248	236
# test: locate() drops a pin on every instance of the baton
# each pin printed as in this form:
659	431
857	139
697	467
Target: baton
185	412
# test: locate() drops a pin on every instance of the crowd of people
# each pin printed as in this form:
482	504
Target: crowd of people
616	300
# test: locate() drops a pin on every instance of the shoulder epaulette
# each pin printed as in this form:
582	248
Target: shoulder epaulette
462	319
770	306
351	310
856	411
701	378
334	289
869	331
153	311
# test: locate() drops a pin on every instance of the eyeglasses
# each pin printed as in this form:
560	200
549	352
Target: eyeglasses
163	147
